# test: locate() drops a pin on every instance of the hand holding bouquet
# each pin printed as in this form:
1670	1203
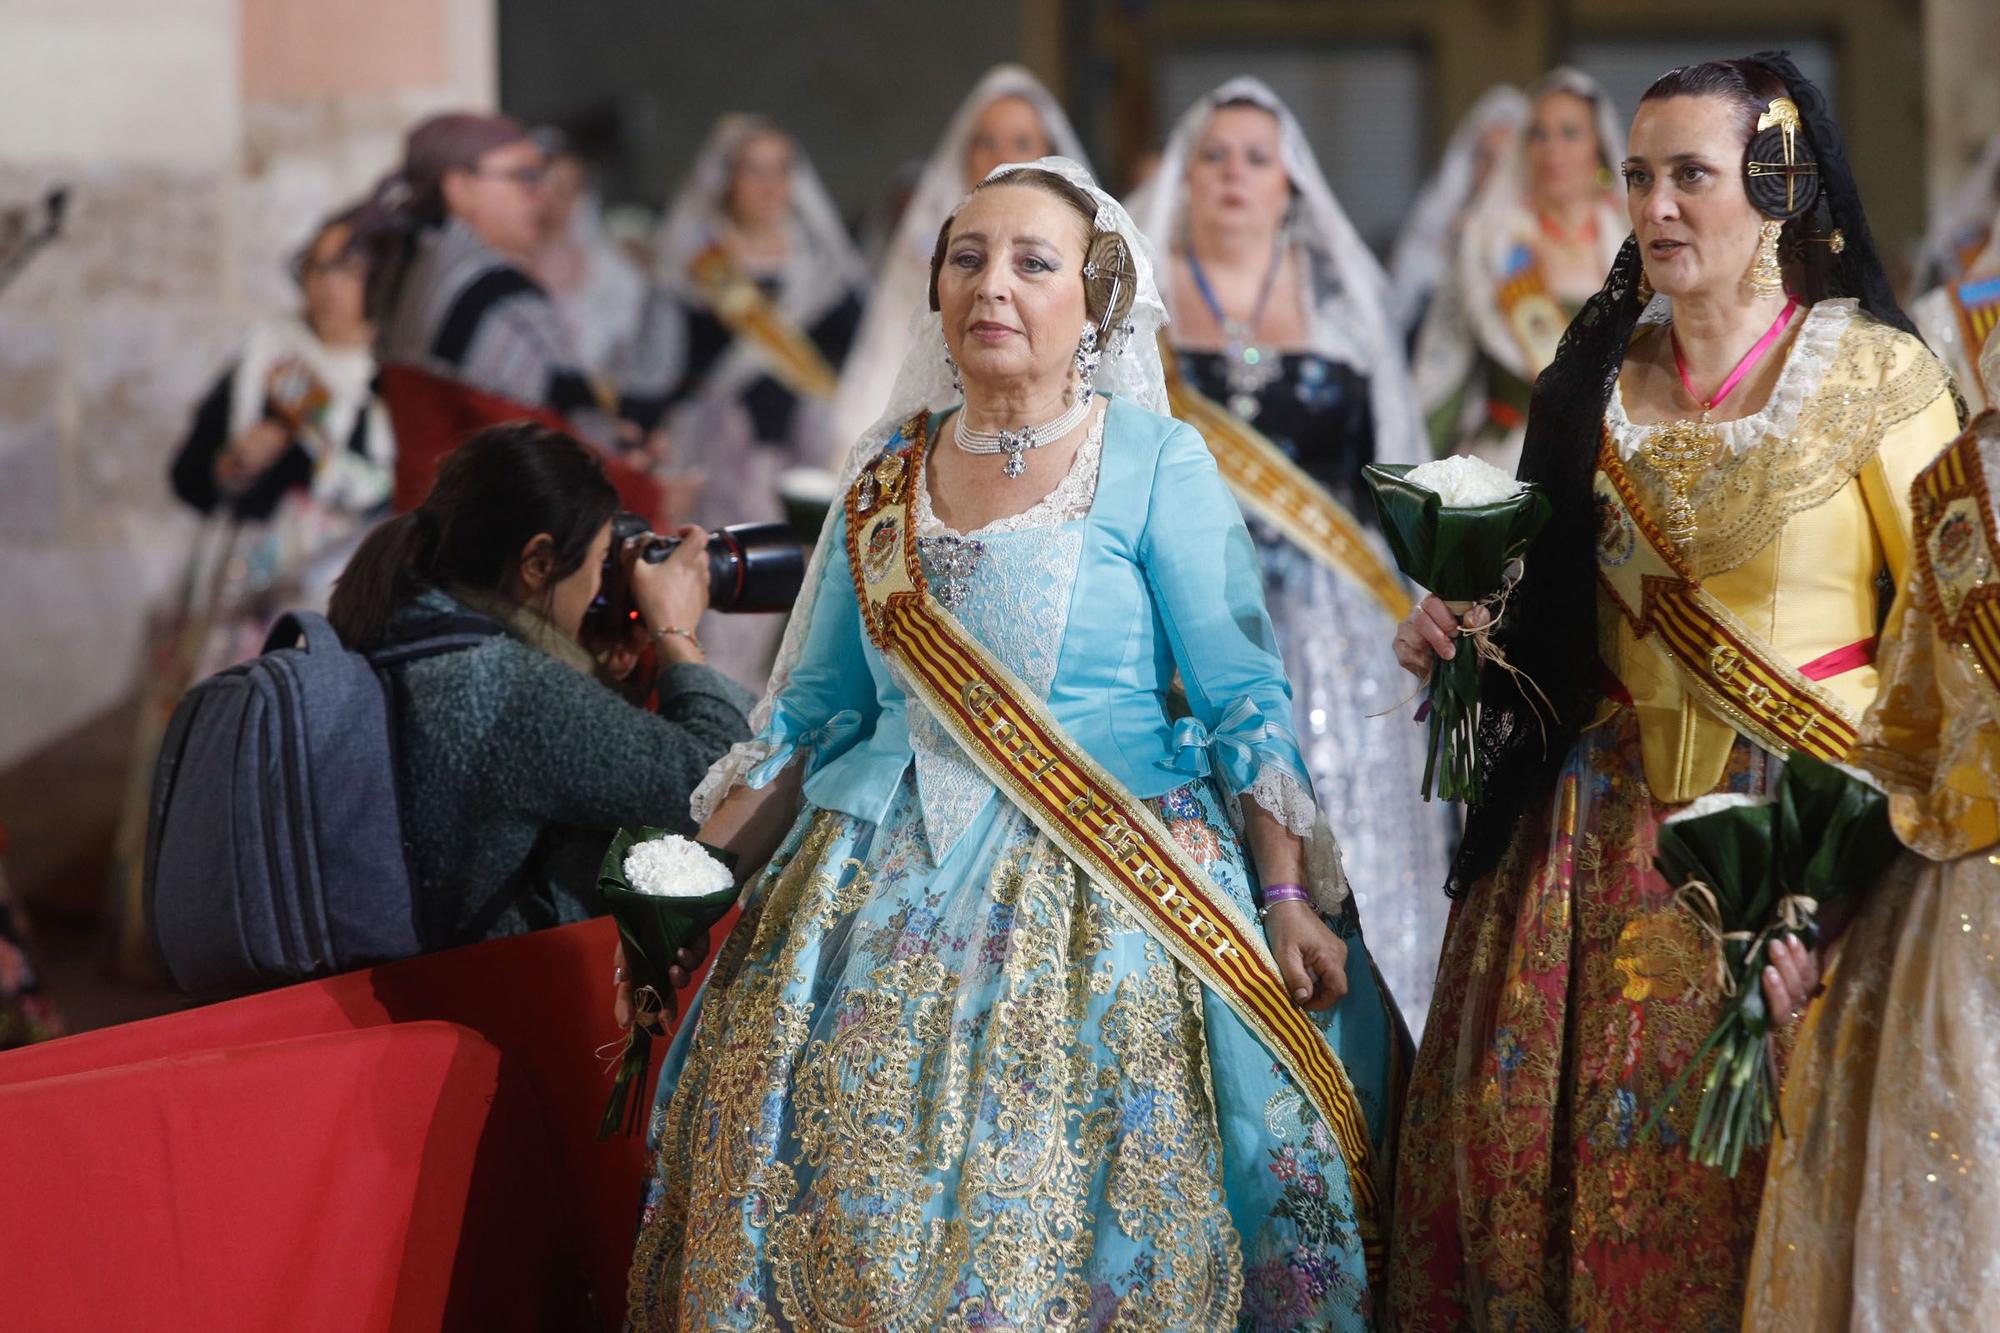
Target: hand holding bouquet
1754	870
664	891
1459	527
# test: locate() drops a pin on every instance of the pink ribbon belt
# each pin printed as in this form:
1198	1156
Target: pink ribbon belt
1840	661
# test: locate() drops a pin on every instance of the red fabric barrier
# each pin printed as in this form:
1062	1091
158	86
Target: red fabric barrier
314	1183
431	415
544	1000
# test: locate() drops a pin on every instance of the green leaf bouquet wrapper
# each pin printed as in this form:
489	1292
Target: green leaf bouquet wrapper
1463	555
1752	873
653	928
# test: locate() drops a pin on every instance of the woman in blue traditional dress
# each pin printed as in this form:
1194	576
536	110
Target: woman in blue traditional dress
943	1076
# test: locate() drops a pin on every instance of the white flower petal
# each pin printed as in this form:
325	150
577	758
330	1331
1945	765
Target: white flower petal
671	866
1463	481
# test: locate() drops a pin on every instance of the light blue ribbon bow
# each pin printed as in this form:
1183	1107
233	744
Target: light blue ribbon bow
791	739
1237	736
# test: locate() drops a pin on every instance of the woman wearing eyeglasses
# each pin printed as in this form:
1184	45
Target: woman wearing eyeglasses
451	290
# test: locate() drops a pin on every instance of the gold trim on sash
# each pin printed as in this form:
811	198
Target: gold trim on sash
1282	493
1018	744
741	304
1958	550
1532	313
1735	673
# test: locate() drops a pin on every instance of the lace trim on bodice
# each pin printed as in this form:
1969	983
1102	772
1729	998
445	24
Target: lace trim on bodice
1068	500
1806	365
1848	382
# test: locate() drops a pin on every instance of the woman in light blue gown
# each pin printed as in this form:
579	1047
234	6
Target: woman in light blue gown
943	1077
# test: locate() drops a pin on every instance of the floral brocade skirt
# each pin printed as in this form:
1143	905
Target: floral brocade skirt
976	1095
1572	993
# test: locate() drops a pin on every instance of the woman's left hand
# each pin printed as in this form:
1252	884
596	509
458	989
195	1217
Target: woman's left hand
1791	979
1311	958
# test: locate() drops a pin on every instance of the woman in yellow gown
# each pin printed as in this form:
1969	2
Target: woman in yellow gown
1881	1208
1702	602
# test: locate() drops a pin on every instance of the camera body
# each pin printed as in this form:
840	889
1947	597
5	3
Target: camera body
753	568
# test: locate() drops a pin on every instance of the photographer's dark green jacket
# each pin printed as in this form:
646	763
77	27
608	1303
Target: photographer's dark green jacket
515	767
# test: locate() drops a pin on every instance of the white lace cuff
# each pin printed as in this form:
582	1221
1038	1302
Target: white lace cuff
1283	795
725	775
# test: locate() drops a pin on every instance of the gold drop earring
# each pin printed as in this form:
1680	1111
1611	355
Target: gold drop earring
1767	275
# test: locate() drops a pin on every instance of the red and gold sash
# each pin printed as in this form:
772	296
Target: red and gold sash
1284	494
1742	678
1958	547
1532	313
1007	731
1977	305
741	304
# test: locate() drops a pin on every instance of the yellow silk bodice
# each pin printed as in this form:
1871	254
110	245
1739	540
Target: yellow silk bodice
1933	735
1802	507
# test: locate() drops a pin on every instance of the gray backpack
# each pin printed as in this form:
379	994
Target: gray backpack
274	847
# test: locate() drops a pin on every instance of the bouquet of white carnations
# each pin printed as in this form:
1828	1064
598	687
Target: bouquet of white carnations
664	891
1459	527
1753	869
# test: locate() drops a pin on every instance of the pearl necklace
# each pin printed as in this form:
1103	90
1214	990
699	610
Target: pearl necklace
1016	443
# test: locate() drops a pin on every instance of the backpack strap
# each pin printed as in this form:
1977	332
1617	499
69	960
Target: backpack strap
430	638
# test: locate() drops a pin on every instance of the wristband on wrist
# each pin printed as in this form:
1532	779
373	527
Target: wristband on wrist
688	634
1273	894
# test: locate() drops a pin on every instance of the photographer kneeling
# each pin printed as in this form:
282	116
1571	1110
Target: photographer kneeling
515	761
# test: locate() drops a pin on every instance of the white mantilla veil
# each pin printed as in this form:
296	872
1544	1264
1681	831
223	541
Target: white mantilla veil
1465	317
1130	369
1964	218
901	287
1348	306
1423	254
821	264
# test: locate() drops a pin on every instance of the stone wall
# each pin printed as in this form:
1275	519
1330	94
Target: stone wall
200	141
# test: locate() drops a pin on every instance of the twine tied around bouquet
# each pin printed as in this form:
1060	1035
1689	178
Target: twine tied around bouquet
1481	638
1792	913
647	1006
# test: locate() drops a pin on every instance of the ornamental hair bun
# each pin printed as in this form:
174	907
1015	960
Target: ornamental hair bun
1780	171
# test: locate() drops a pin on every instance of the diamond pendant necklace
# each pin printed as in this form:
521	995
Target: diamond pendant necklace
1681	450
1248	367
1016	443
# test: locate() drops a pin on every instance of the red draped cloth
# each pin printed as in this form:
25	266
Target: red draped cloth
410	1146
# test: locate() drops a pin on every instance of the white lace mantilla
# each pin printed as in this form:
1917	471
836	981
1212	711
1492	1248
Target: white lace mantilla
1805	366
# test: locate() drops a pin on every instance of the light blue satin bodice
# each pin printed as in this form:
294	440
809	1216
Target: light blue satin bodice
1101	613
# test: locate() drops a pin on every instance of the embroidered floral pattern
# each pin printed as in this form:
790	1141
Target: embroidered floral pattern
1525	1196
908	1101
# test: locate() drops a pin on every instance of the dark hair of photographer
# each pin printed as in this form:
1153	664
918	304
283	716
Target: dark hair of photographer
516	759
507	493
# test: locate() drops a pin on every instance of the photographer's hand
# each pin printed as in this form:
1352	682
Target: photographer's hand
672	595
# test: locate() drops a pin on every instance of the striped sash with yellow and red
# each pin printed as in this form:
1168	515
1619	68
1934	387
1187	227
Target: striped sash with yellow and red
1977	305
1958	546
793	358
1283	494
1742	678
1007	731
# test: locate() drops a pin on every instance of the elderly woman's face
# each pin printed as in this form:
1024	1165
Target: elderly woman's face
1236	175
1696	227
1011	288
1563	152
760	185
1008	130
